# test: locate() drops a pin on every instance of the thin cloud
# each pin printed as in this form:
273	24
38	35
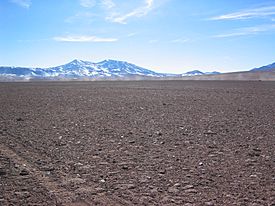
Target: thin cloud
153	41
180	40
83	39
87	3
248	14
108	4
23	3
247	31
231	35
138	12
88	16
132	34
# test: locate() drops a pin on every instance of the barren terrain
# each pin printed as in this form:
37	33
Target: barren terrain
137	143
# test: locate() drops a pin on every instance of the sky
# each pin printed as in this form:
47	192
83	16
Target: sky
172	36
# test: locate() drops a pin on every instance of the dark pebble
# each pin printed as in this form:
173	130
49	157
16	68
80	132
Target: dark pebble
24	172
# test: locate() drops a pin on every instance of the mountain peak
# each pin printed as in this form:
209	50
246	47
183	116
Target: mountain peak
76	61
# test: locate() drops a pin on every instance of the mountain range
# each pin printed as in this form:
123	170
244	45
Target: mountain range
107	69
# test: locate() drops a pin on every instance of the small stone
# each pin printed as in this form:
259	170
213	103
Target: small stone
188	187
19	119
102	180
23	194
130	186
162	171
125	167
210	132
74	181
191	191
200	164
47	168
209	203
173	190
158	133
154	191
24	172
2	171
99	190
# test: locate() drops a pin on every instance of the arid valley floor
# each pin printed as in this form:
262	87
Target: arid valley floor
137	143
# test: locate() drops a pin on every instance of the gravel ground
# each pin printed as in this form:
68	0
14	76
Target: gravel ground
137	143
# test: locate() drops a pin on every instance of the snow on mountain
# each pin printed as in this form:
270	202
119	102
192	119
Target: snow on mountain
198	73
270	67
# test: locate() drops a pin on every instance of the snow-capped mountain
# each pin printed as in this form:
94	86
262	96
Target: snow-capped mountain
270	67
198	73
78	69
81	69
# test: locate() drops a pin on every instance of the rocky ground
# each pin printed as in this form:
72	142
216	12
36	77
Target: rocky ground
137	143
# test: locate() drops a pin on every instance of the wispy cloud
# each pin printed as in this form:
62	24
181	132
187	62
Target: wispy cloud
248	14
180	40
87	3
108	4
23	3
132	34
87	16
138	12
83	38
153	41
247	31
233	34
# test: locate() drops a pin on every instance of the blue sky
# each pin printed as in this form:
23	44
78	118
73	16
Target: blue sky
163	35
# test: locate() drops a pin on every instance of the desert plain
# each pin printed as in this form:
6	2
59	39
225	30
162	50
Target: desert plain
137	143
